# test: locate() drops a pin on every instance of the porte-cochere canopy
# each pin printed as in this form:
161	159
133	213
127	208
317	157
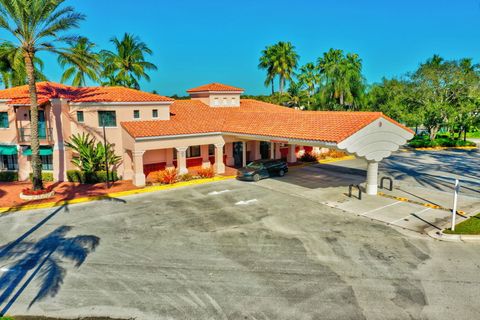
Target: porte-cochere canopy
369	135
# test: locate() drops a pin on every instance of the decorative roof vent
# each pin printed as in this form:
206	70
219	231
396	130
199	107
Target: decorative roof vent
217	95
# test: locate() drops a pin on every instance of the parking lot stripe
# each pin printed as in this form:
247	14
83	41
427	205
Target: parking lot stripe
377	209
421	211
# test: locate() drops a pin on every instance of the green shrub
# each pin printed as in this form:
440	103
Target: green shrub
8	176
90	178
440	141
75	176
308	157
101	176
46	176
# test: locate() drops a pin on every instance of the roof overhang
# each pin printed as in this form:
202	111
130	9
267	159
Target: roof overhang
377	140
139	103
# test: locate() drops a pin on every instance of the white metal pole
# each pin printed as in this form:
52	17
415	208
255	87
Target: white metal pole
454	210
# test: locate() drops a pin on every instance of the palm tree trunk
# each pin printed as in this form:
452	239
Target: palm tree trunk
273	86
34	140
282	81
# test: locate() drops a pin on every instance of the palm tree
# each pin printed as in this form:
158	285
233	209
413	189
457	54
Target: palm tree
341	76
81	63
126	66
309	78
12	67
285	62
279	60
37	25
266	63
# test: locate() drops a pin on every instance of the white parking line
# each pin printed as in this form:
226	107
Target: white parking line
214	193
241	203
421	211
378	209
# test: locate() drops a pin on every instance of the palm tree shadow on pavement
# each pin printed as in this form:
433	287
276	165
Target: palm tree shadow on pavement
40	260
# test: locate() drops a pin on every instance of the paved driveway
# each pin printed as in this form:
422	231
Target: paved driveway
229	250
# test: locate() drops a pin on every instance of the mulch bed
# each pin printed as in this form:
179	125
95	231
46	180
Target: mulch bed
10	191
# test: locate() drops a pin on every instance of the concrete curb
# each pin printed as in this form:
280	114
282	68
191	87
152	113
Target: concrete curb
46	205
439	235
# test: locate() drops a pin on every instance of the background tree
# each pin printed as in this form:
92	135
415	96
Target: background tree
126	65
279	60
266	63
341	78
309	78
81	64
37	25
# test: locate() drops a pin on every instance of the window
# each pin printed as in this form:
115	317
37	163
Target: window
211	149
8	162
4	120
136	114
154	113
47	162
80	117
192	152
108	118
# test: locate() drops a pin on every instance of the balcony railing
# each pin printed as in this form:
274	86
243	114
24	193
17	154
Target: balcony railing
44	135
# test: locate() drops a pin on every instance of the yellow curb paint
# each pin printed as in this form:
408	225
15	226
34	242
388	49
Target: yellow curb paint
336	159
112	195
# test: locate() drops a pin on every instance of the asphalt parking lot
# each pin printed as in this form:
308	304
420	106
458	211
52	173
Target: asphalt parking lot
229	250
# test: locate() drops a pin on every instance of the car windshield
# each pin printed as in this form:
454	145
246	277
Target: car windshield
255	165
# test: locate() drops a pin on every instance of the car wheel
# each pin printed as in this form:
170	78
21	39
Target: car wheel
256	177
281	173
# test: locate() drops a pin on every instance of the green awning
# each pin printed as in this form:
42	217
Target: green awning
44	151
8	150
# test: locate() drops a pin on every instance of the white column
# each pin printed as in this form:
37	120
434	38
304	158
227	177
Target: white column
182	160
219	165
272	150
244	153
138	175
292	156
278	154
372	177
205	156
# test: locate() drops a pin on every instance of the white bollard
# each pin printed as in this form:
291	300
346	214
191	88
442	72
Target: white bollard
455	197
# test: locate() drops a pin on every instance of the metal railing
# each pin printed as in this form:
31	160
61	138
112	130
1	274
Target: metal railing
25	134
350	190
390	188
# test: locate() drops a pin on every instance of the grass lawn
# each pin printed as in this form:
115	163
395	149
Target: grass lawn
474	134
470	226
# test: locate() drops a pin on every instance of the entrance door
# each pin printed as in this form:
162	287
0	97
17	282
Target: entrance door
238	154
265	149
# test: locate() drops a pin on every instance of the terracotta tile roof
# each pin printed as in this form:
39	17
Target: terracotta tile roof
51	90
215	87
255	118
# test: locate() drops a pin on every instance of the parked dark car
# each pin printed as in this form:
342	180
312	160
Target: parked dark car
262	169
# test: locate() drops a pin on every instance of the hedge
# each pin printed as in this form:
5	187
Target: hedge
425	142
46	176
8	176
90	177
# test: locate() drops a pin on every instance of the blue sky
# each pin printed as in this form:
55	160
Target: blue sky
197	42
